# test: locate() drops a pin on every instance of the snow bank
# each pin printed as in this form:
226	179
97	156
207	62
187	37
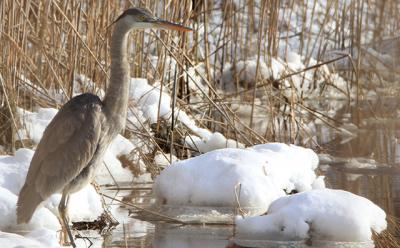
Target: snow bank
291	167
118	147
311	82
149	99
263	171
84	205
35	239
42	218
210	142
152	105
155	103
163	159
245	72
43	224
35	122
324	214
13	170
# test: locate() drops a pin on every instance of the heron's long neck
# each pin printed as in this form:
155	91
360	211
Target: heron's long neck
117	94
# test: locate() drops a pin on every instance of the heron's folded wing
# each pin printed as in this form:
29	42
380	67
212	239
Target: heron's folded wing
67	146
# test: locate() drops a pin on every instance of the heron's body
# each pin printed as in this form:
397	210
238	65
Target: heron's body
68	154
74	143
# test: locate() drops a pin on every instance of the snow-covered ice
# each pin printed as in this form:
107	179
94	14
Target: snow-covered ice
264	172
324	214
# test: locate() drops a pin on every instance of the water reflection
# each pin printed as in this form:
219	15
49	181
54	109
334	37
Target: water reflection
377	139
167	236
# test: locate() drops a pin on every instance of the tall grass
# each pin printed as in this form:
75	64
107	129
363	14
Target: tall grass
44	44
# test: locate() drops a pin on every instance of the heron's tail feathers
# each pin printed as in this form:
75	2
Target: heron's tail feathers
28	201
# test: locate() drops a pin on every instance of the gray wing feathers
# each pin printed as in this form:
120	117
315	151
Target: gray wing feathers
28	200
66	148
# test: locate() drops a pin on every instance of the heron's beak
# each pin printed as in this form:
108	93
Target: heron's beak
163	24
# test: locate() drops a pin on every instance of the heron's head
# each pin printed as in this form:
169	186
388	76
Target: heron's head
141	18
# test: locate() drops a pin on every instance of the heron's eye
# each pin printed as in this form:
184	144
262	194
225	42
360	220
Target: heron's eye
142	18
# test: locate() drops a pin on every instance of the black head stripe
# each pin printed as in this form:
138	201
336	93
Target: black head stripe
119	17
135	11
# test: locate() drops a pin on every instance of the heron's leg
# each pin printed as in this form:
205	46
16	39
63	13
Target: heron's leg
63	210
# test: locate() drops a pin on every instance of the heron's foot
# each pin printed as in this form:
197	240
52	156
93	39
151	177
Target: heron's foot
67	243
67	233
66	238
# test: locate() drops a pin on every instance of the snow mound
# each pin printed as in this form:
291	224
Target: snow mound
291	167
13	170
313	81
35	122
323	214
263	172
35	239
84	205
118	147
149	99
42	218
154	103
210	142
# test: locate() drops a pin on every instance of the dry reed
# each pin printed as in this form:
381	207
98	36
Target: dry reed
45	44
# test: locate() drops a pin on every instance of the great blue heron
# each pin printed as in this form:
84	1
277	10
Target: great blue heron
74	143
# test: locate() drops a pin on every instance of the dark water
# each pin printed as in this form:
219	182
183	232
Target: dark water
367	163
